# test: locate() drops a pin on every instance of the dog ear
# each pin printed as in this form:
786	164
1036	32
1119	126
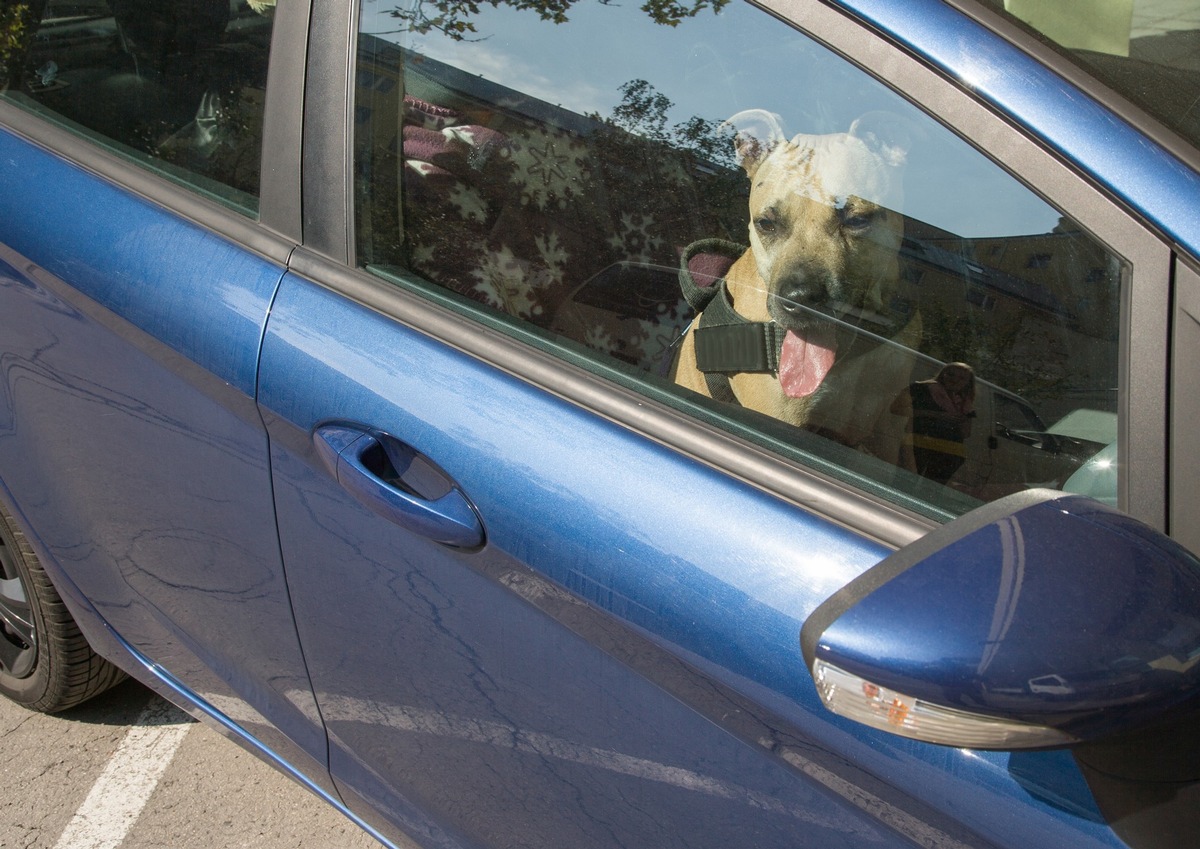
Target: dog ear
755	132
885	133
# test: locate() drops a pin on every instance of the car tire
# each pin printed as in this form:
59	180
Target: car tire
46	663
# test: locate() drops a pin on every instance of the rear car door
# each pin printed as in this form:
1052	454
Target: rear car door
548	597
132	321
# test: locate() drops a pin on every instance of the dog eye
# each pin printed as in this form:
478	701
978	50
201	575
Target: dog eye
859	221
765	225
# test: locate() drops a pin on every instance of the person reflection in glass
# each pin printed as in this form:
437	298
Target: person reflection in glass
939	414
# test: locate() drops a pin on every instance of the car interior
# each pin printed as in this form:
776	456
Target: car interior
176	84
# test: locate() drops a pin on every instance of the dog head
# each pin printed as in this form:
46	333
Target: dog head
825	230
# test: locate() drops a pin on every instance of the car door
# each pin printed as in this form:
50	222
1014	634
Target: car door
138	260
546	596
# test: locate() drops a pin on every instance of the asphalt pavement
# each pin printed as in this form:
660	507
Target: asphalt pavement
127	770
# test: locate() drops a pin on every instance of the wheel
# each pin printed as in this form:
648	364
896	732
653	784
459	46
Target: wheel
45	662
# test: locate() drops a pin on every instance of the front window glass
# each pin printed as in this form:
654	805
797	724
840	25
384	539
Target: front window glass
176	85
1148	50
705	204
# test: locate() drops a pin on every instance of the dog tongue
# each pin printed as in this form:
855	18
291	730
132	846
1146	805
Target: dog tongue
805	360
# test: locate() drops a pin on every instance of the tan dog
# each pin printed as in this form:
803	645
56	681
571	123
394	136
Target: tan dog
825	234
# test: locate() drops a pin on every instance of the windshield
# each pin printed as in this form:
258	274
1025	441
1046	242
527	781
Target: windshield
1146	50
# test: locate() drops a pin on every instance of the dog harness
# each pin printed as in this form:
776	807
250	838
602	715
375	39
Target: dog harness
726	342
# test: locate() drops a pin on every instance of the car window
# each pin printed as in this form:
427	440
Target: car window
1148	50
178	86
711	207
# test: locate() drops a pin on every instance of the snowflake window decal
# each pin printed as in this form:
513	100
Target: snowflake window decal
550	166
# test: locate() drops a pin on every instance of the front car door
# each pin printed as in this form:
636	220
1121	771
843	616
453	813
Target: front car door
549	597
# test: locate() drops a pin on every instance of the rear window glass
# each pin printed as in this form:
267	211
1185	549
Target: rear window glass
178	87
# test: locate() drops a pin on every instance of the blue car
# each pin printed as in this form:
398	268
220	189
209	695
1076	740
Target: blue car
581	424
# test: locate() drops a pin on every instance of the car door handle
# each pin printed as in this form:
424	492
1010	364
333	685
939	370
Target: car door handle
400	484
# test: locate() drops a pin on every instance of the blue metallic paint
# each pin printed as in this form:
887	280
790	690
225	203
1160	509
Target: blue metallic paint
1149	179
130	440
667	681
185	287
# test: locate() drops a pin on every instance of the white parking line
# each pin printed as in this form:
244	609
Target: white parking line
123	788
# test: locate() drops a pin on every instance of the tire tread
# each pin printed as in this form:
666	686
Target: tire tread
76	673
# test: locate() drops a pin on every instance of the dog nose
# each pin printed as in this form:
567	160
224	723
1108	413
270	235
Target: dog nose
798	293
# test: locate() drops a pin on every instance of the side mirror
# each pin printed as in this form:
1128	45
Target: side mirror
1040	620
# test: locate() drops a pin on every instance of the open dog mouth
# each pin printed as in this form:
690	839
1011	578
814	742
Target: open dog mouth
806	357
809	348
814	337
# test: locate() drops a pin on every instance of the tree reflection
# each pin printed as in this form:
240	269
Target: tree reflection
16	21
452	17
